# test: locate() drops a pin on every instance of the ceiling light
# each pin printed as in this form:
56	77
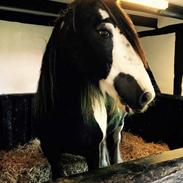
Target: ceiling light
157	4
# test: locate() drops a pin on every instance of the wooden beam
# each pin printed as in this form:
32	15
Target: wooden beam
144	21
20	11
164	167
36	5
172	11
40	12
42	15
27	18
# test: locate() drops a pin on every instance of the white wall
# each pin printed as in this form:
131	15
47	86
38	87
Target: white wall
21	50
22	47
160	53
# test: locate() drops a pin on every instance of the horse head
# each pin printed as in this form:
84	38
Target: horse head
101	45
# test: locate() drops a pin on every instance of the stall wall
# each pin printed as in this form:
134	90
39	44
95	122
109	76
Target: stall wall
22	47
21	50
160	53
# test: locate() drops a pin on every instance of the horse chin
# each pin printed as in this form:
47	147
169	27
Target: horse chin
125	108
138	111
131	111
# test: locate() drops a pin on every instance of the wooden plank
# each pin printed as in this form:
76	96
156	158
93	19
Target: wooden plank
36	5
42	19
27	18
15	120
6	123
144	21
167	166
172	11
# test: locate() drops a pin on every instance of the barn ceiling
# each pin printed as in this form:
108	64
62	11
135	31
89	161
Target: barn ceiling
44	12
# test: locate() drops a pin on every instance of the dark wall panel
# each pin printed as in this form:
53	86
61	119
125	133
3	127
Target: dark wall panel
162	122
16	120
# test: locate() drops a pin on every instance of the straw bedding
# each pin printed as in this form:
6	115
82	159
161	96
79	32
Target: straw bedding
27	164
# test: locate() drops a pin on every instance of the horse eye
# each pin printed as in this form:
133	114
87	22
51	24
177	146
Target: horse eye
104	33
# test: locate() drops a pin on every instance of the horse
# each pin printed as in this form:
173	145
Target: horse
93	73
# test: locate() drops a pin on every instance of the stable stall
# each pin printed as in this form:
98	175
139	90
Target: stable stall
152	142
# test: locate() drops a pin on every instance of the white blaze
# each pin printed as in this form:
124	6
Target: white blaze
104	14
125	60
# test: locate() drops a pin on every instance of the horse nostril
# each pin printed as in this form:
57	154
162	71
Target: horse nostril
145	98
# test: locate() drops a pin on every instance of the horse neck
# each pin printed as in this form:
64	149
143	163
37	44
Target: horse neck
78	95
78	87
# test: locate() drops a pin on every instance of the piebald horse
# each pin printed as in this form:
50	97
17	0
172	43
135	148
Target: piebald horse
93	73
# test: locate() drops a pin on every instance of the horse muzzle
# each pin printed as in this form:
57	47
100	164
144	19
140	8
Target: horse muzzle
131	94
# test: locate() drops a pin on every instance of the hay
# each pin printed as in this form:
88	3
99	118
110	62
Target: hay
26	164
134	147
